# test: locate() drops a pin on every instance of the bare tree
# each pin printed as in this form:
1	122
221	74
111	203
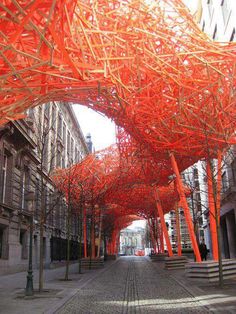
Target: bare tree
47	197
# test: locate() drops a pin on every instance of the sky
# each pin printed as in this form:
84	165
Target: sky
137	223
192	4
101	128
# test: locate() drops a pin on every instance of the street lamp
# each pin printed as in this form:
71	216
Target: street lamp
29	290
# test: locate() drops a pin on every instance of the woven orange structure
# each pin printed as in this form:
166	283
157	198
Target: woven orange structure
145	64
123	194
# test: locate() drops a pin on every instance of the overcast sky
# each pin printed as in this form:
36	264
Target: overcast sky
101	128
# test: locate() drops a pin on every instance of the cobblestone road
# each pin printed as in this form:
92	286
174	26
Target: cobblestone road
133	285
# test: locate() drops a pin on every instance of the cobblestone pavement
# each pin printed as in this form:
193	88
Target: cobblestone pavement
133	285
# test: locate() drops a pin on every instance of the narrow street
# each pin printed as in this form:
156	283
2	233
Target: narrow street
133	285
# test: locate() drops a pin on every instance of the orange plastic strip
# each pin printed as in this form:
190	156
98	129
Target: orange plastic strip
178	231
212	213
85	234
184	203
163	224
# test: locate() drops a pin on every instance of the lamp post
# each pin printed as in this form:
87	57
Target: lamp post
29	290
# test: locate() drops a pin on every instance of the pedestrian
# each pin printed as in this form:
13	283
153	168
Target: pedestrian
203	250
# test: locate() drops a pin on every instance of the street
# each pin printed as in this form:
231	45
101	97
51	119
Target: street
133	285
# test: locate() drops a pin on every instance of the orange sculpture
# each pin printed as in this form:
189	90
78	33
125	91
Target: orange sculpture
145	64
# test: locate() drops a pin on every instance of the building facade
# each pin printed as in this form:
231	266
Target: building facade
30	149
132	240
217	19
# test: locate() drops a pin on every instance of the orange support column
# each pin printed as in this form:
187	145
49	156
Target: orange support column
157	235
161	239
113	242
99	233
118	243
85	233
212	213
219	177
178	231
92	234
184	203
163	224
152	236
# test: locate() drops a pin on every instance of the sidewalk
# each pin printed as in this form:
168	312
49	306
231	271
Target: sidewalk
220	301
57	291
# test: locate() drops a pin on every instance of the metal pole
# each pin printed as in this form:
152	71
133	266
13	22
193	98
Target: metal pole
29	290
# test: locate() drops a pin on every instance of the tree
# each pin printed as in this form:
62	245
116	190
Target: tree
47	197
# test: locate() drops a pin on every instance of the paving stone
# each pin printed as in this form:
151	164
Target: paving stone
133	286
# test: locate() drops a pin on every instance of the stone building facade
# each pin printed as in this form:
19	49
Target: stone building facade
132	240
30	149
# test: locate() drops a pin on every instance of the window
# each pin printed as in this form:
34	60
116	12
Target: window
76	154
45	151
30	113
215	33
203	26
52	161
25	187
4	248
46	200
233	168
1	242
232	37
210	7
72	148
53	120
195	173
50	208
57	215
63	164
64	133
47	110
23	242
44	247
23	190
37	199
59	131
4	177
68	142
58	158
224	182
225	10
